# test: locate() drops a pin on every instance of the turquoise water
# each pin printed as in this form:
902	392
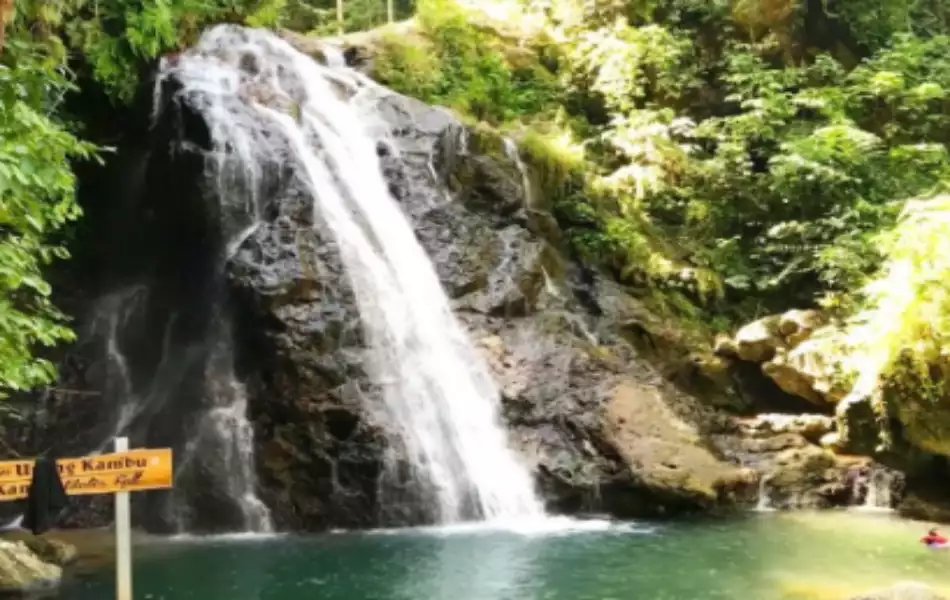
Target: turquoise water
823	556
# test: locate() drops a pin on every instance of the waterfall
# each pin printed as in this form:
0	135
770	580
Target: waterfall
440	402
223	432
764	501
878	495
511	151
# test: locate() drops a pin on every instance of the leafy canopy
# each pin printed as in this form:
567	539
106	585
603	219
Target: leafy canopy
37	145
739	156
725	158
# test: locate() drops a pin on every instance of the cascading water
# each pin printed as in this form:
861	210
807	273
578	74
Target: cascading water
878	485
223	432
764	500
511	151
440	402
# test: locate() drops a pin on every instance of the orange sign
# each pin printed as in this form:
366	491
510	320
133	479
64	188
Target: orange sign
132	471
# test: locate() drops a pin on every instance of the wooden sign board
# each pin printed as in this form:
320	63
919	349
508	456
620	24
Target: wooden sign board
130	471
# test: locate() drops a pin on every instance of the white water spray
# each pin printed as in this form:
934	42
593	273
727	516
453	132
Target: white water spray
878	495
227	430
764	501
511	151
439	398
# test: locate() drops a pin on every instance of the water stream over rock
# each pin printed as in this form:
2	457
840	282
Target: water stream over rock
354	312
440	403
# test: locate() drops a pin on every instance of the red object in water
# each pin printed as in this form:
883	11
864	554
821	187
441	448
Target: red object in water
930	539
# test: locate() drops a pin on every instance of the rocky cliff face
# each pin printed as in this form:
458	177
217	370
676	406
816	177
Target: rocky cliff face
608	434
607	429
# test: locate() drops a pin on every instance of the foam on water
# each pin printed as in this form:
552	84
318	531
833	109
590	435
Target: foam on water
538	527
244	536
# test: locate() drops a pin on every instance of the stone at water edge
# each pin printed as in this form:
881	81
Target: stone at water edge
49	549
665	455
23	572
806	477
908	590
52	550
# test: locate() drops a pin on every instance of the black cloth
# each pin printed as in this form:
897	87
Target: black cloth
46	498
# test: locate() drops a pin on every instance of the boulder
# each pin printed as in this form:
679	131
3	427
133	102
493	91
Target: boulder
927	496
797	325
812	427
922	506
806	477
794	350
796	373
858	427
667	455
725	346
53	551
909	590
921	401
23	572
801	353
758	341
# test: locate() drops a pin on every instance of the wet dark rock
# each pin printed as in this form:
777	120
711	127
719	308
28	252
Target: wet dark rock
597	391
608	432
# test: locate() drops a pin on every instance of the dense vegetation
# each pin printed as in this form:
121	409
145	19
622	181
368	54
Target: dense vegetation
727	157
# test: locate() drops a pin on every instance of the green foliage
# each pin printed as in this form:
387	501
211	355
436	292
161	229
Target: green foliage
786	192
37	184
875	22
116	36
452	62
725	157
113	38
36	200
319	17
706	148
907	312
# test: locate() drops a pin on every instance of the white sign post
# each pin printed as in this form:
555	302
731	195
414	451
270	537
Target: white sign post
123	536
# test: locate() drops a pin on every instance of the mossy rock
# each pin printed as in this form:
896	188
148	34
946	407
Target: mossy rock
23	572
667	454
858	426
921	401
53	551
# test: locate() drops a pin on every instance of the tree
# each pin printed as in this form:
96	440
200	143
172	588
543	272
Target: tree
36	202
